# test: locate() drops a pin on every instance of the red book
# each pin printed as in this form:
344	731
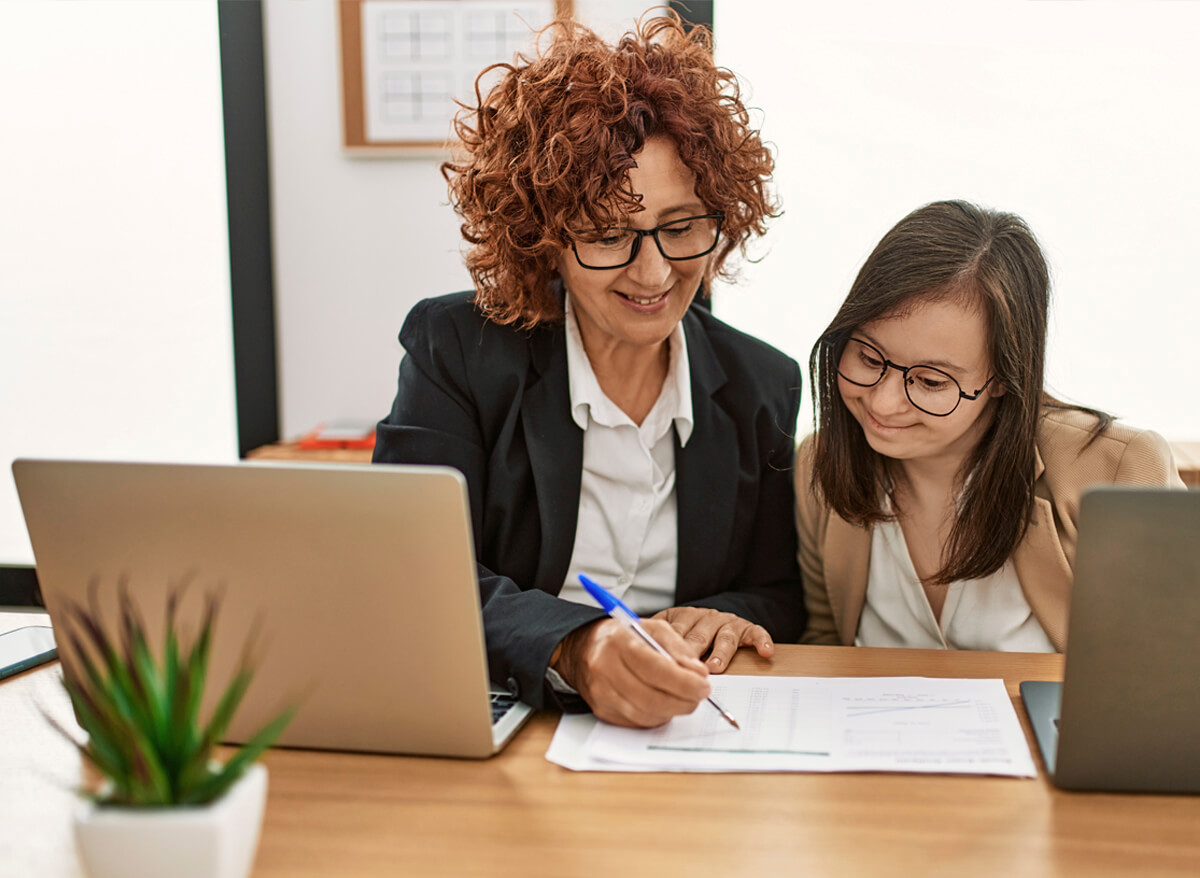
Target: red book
339	434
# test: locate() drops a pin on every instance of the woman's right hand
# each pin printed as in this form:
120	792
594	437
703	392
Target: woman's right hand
624	681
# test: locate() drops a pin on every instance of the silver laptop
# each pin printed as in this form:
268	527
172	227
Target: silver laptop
361	579
1126	717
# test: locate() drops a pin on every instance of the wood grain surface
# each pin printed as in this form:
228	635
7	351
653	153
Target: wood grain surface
518	815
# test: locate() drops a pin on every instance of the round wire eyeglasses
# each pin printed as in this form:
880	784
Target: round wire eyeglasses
928	388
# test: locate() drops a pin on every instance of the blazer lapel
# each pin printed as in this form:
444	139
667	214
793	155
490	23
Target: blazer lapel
555	445
706	474
847	560
1042	568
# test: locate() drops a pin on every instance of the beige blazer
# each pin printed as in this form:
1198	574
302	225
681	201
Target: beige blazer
835	555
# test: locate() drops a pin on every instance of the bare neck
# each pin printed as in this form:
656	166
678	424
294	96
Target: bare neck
933	482
631	376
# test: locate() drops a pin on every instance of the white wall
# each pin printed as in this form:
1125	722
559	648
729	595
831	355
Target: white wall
115	329
114	290
358	241
1081	117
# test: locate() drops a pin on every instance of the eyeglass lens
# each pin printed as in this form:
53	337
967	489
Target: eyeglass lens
929	389
684	238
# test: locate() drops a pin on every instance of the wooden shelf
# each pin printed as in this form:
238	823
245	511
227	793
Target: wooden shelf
1187	458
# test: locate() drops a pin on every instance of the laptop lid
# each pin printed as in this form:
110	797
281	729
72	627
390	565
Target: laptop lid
1130	713
1043	699
362	579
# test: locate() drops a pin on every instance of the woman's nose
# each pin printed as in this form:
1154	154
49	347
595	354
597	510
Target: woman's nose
650	268
889	395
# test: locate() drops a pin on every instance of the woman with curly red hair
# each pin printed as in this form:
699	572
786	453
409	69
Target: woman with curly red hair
605	421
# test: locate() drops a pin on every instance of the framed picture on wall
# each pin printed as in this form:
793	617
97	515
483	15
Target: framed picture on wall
405	63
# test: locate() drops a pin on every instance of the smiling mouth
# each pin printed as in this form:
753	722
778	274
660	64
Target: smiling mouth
883	426
644	300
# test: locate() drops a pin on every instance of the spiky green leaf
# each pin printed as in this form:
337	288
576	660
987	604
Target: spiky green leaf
142	711
220	781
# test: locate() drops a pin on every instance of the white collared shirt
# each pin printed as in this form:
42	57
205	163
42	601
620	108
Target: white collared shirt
989	613
626	537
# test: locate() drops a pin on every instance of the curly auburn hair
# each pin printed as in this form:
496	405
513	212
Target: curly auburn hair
551	144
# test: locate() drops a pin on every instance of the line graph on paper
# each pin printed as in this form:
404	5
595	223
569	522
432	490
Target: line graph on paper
904	720
855	711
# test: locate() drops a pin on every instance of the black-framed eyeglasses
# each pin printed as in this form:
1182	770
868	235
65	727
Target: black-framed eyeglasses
687	238
928	388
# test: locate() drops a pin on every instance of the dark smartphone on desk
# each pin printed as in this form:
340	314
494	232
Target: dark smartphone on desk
25	648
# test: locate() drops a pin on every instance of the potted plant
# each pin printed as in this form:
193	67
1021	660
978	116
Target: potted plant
165	806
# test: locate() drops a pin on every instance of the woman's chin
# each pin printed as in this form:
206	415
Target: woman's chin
897	447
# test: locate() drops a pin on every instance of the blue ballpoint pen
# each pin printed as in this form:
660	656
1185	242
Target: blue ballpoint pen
612	605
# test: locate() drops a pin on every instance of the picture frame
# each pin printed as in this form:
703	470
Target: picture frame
405	63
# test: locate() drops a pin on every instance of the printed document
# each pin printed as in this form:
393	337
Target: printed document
910	724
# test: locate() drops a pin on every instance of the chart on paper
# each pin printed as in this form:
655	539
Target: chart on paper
791	721
833	724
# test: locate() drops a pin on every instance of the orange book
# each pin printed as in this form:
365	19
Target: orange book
339	434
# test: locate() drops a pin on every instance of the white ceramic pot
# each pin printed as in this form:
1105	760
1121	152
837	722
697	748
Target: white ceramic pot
217	840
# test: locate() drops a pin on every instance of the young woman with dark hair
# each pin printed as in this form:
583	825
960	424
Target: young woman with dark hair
936	502
604	423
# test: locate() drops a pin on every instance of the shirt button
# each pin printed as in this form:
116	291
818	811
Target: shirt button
625	580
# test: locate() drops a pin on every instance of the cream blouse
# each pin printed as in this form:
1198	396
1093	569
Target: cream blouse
989	613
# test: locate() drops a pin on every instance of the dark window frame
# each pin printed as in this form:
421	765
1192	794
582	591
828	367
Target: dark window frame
694	11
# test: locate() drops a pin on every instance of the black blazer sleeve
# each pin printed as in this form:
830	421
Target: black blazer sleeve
461	383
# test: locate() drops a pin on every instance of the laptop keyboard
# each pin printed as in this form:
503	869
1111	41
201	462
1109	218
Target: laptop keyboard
502	703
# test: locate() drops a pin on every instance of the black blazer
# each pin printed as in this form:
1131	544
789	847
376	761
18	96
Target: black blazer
493	401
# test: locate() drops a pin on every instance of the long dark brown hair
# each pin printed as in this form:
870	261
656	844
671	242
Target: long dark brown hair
552	143
988	259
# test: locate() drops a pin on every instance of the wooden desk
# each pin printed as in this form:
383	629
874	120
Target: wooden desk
518	815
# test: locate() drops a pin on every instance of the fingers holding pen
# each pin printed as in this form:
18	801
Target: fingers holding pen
659	685
626	699
625	681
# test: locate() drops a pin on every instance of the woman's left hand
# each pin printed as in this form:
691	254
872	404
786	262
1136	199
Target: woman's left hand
723	632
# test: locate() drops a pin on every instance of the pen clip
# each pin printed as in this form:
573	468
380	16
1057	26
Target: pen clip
606	599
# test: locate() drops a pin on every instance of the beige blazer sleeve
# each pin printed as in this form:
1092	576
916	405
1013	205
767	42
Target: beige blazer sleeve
1148	461
811	520
1069	462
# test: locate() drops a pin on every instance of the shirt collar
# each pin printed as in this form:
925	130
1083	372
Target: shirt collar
674	405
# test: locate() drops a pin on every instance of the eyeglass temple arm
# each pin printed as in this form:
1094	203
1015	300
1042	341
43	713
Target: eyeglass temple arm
974	396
